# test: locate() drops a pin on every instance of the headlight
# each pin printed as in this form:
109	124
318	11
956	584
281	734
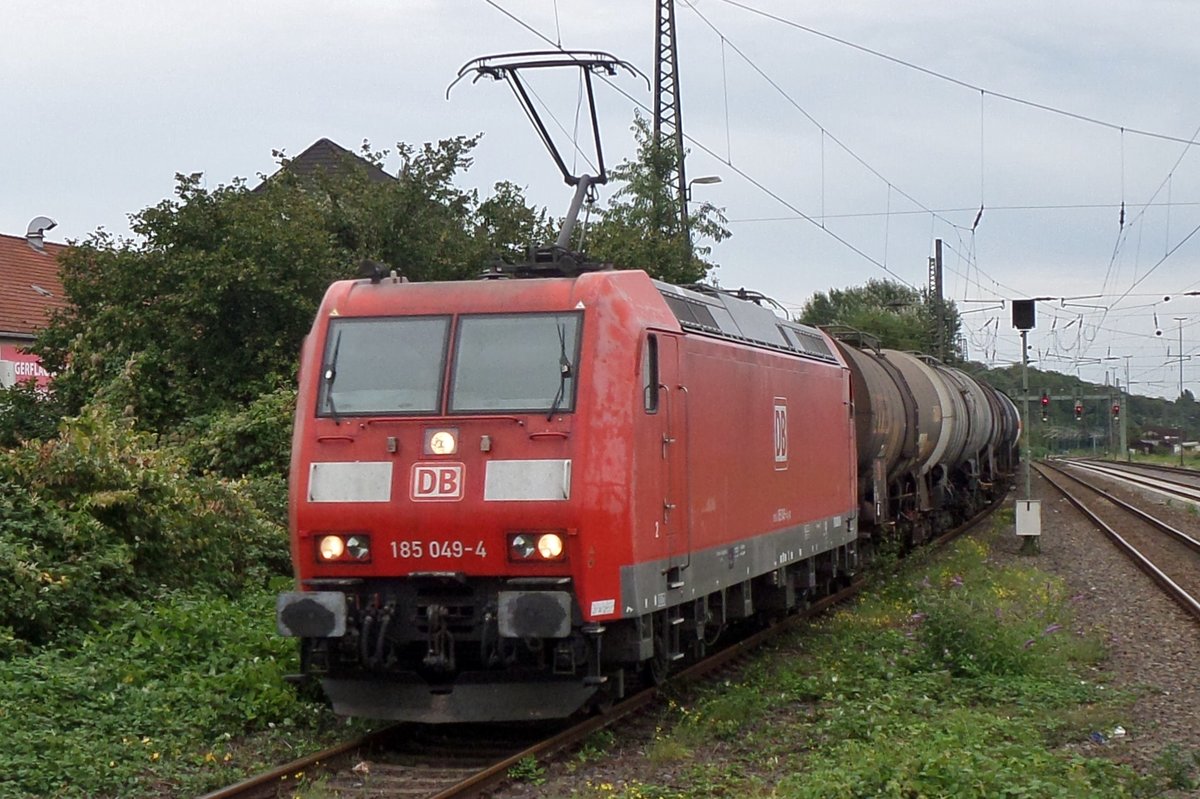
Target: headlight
344	548
550	546
441	442
535	547
331	547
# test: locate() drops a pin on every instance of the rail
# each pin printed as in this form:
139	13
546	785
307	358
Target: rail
1169	585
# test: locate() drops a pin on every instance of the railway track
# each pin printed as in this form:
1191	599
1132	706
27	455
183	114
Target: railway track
1170	481
1136	466
1168	555
452	761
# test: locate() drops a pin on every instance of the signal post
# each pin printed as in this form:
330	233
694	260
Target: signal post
1028	510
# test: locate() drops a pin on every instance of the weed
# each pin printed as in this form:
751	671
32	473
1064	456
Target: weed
527	769
1177	769
596	746
667	750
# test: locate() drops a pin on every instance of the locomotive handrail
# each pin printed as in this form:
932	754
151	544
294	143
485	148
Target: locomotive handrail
441	419
550	434
687	478
667	438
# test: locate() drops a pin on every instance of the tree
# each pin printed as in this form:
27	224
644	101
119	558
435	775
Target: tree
640	227
204	309
901	317
511	226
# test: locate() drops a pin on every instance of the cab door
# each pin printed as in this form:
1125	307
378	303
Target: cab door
672	412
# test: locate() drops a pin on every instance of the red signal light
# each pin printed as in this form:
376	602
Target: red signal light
1045	400
1116	411
1078	411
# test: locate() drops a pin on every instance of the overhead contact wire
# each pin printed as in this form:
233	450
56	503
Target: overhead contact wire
958	82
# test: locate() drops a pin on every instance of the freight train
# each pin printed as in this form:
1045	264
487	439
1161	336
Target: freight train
511	498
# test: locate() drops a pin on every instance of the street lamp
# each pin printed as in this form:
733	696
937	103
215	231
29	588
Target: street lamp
687	226
706	180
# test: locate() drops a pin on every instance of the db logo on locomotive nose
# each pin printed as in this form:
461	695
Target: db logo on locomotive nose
437	481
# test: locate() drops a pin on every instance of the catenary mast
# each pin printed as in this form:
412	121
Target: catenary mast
668	120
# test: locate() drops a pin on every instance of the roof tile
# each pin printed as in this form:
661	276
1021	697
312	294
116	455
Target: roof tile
30	286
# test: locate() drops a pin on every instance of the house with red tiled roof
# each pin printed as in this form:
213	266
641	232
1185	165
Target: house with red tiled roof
30	291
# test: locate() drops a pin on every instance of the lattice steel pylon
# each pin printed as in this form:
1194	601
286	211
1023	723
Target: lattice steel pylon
668	119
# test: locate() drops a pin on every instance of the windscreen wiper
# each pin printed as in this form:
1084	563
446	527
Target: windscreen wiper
564	371
330	375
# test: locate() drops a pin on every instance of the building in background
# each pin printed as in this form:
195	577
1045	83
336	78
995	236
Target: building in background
325	157
30	291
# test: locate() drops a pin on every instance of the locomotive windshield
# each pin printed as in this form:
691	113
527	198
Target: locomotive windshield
517	362
502	363
391	365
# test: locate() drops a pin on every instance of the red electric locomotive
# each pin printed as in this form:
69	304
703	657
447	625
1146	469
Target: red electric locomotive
508	496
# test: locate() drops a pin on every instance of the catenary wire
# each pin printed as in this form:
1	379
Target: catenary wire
957	81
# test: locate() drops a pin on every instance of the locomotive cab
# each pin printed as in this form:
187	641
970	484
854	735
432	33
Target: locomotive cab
436	498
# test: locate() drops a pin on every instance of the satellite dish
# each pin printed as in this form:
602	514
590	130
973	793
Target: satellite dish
35	234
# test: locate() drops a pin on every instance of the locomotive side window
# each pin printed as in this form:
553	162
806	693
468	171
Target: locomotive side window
650	374
515	362
389	365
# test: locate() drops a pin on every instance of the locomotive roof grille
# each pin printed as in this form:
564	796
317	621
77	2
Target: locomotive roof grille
690	312
719	314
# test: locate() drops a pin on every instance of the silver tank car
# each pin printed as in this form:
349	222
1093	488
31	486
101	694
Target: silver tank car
932	440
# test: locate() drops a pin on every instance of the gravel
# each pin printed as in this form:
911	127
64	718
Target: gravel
1154	646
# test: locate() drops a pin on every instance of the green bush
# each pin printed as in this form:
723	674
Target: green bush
252	441
252	445
27	412
54	567
154	702
101	512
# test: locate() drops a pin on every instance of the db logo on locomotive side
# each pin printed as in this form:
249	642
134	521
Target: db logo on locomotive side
781	434
437	482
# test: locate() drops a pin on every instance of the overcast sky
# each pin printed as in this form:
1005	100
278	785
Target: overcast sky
838	165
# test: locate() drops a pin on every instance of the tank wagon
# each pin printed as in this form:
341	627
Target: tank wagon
510	497
934	444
